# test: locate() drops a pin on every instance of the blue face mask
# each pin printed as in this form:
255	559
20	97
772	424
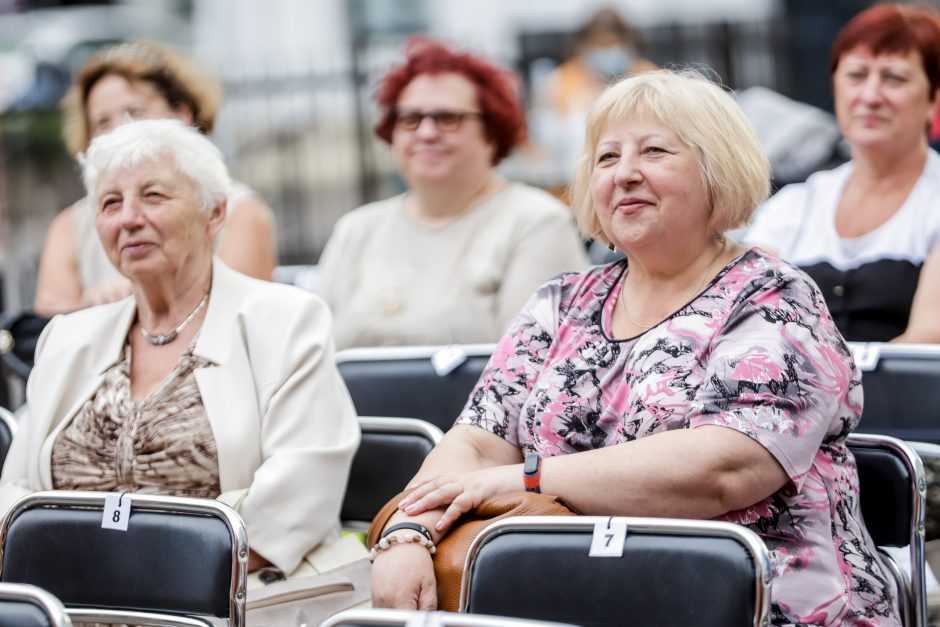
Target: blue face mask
609	62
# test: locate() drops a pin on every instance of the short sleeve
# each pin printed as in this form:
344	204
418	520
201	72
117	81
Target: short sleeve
780	373
777	221
497	400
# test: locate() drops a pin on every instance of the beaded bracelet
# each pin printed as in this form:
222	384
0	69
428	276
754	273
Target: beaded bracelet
387	541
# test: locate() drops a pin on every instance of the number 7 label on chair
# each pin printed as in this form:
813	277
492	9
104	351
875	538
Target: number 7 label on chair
117	511
609	536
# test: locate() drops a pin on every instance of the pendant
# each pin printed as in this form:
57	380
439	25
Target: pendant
159	340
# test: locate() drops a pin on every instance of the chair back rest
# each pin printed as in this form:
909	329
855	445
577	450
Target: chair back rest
22	605
7	431
390	453
902	390
178	555
892	495
402	381
671	572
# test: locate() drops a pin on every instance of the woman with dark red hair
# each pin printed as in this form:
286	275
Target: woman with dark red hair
455	257
868	232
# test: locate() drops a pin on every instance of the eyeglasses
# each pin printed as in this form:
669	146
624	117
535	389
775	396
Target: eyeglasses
445	121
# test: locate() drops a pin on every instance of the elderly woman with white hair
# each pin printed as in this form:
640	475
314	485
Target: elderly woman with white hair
693	379
204	382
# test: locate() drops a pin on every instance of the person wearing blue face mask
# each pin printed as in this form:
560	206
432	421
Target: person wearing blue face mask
608	62
605	48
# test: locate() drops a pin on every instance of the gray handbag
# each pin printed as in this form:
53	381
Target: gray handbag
332	577
308	601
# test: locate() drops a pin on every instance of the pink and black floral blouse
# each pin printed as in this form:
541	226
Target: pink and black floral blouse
757	352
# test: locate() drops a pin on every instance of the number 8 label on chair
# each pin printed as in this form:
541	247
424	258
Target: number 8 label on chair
117	511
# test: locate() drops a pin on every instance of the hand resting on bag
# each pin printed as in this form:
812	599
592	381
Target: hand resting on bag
461	493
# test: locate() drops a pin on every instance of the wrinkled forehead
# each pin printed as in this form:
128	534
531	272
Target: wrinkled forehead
156	168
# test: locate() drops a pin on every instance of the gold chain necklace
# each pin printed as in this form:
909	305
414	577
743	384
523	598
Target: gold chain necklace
701	284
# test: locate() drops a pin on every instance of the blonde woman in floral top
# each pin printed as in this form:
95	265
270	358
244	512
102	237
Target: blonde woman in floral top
694	379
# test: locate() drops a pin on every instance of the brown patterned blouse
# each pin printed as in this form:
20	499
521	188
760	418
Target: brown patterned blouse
162	444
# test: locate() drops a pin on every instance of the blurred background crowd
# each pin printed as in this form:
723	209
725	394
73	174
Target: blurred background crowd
298	78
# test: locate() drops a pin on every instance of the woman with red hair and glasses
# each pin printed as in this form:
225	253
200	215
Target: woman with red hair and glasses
455	257
868	232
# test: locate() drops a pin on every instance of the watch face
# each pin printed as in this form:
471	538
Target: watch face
531	465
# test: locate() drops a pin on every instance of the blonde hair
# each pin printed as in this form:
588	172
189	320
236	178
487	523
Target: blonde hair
733	167
175	77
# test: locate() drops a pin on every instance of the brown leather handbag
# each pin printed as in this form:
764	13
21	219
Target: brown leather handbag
453	547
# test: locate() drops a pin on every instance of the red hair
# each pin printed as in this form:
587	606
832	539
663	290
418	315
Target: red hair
893	28
497	92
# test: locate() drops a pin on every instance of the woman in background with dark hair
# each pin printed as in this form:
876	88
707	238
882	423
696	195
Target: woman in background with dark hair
868	232
455	257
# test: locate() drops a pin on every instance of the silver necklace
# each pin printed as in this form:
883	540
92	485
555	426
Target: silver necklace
698	288
160	340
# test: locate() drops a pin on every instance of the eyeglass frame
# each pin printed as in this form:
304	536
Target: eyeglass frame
435	116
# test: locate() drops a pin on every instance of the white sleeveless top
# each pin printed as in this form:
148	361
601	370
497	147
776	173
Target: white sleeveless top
868	281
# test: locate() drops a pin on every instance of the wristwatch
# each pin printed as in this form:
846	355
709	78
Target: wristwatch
532	472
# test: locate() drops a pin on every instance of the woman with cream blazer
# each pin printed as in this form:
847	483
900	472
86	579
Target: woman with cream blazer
203	383
284	425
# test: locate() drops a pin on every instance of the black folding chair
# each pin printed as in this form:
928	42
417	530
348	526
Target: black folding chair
892	491
671	573
402	381
902	390
22	605
181	561
390	453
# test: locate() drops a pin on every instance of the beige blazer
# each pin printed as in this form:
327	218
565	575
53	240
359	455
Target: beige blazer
283	422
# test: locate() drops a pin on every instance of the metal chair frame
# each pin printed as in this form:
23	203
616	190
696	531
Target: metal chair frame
36	596
66	499
388	424
870	352
386	353
636	525
912	590
408	426
417	618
